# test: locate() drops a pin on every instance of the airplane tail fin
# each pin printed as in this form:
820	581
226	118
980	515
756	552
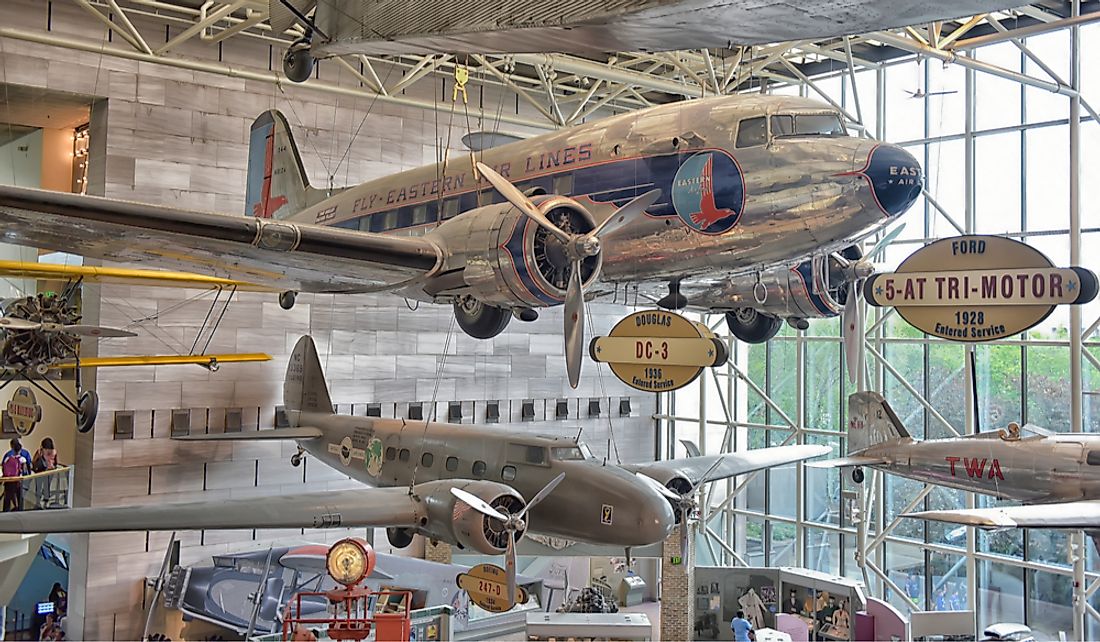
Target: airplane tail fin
277	185
871	421
305	389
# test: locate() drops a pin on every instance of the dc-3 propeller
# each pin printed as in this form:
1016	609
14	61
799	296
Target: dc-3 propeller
855	272
577	247
512	524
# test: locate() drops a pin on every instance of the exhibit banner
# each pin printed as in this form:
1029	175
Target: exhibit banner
658	351
978	288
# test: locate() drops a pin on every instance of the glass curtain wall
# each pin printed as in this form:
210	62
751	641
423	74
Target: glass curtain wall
1019	186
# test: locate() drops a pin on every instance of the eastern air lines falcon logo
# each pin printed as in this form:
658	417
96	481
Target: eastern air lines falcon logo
708	192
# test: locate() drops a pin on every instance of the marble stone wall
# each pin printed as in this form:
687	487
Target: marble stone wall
178	137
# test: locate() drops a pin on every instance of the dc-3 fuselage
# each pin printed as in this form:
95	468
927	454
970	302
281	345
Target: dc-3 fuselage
746	183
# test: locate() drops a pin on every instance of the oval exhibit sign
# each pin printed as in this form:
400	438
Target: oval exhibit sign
658	351
487	585
24	411
978	288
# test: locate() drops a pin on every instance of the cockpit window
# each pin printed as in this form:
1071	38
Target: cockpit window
570	453
807	125
752	132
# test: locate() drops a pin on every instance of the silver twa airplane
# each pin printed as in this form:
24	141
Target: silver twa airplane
428	476
749	205
1055	476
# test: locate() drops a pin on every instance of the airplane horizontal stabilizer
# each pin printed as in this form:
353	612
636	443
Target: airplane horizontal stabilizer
844	462
1080	514
331	509
301	432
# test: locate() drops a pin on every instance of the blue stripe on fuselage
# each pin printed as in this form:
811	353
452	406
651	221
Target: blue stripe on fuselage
805	271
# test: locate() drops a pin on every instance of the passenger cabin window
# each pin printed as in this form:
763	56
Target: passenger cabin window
391	453
420	214
808	125
450	208
1093	458
479	468
427	459
452	464
508	473
752	132
563	184
403	455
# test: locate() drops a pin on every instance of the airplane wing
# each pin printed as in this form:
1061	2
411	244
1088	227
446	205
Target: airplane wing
1080	514
277	254
707	468
844	462
301	432
206	360
129	276
346	508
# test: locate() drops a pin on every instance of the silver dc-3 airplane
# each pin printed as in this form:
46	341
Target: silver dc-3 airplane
748	205
1055	476
468	486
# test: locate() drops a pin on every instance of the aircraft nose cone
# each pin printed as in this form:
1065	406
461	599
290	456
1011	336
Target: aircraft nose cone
657	524
895	178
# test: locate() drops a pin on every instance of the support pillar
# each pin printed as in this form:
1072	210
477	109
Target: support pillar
677	590
438	552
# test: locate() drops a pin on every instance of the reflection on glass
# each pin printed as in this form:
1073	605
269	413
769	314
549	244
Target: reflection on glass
822	551
949	582
1050	599
1000	593
905	568
783	542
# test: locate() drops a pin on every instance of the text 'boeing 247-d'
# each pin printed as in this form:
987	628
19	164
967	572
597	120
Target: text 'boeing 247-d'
475	488
748	205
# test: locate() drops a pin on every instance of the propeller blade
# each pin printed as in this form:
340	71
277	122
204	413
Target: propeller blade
479	505
517	198
510	566
546	490
626	214
884	242
659	488
853	328
97	331
574	326
685	537
13	323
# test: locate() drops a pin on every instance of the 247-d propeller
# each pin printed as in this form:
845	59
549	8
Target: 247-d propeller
578	247
512	523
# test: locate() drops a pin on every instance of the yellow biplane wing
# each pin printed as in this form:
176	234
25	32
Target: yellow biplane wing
207	360
128	276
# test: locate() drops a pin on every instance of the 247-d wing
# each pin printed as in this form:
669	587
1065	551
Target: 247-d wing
697	470
345	508
1083	514
278	254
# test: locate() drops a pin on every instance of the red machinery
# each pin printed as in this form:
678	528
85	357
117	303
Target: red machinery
350	615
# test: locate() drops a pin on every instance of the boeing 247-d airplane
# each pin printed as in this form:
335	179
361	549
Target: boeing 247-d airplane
1056	476
748	205
428	476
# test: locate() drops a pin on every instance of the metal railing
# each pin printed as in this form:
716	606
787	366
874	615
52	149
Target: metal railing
48	489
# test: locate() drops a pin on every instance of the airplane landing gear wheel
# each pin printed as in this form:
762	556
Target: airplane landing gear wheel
479	320
287	299
752	326
298	62
296	459
857	475
87	405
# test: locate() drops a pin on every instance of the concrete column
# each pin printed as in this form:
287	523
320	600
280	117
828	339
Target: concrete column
677	590
440	552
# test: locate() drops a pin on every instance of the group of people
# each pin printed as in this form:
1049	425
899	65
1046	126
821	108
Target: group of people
53	627
18	463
